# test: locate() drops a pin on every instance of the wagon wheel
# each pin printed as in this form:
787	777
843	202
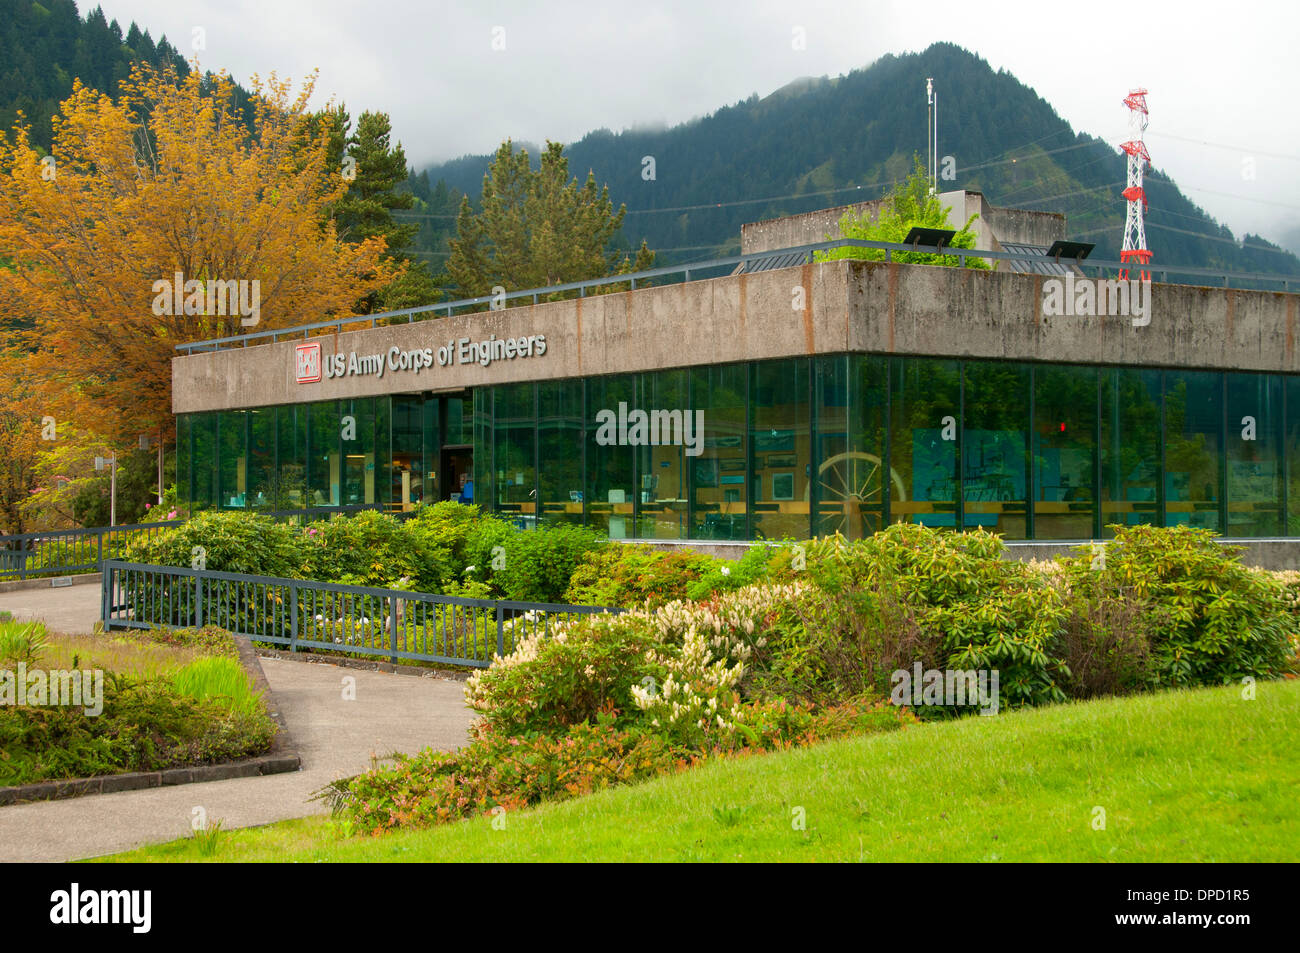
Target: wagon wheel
851	481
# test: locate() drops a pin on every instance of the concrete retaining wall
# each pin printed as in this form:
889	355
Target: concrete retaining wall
1263	553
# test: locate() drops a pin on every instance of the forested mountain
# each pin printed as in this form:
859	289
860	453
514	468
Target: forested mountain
824	142
45	45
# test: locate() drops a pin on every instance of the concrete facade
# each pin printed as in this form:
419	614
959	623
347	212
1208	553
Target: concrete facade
847	307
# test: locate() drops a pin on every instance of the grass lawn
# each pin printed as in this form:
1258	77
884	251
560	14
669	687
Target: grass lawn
1198	776
116	653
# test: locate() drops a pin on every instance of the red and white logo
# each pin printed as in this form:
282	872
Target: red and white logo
308	363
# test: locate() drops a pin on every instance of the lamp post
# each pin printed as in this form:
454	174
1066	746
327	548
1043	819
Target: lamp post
111	463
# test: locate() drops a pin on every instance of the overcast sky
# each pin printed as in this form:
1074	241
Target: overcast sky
1220	76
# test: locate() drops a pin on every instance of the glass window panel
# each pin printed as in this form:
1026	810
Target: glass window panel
205	461
560	442
357	434
718	476
1193	448
460	421
780	448
483	470
407	474
384	453
1065	451
925	397
324	471
1254	444
993	447
850	480
610	466
232	459
515	453
1292	386
184	461
662	464
291	458
261	458
1130	447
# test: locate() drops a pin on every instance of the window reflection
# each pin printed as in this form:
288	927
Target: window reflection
1065	452
925	409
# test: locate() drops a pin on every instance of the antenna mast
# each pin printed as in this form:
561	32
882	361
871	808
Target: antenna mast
1135	233
931	134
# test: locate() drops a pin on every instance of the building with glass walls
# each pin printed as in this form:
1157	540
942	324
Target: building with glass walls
794	447
830	397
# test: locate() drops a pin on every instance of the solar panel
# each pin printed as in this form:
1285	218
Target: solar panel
771	263
1035	261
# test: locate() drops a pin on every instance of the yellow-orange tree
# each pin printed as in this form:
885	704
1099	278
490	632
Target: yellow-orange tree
168	178
20	440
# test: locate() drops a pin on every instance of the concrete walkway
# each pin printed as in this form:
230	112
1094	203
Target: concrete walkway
335	738
73	610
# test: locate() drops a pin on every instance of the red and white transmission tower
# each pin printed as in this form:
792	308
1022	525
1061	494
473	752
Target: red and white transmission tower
1135	233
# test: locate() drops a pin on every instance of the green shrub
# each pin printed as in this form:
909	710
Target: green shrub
631	575
1106	643
210	639
146	725
441	534
231	542
485	548
369	548
832	646
1211	619
761	562
540	562
982	612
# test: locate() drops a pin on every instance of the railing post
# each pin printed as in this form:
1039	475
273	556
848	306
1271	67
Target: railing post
293	613
198	601
105	599
501	631
392	636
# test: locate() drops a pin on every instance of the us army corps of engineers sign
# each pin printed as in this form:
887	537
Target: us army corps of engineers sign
310	367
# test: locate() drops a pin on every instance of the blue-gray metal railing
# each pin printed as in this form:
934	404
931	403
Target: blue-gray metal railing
448	308
298	613
63	552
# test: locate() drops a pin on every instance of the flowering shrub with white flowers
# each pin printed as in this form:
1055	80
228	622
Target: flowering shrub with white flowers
567	677
681	669
705	649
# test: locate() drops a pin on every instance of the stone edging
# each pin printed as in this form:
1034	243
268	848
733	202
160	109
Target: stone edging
283	756
312	658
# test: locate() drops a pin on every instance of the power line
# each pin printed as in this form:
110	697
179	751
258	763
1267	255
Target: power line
1221	145
1185	231
1244	198
1065	195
